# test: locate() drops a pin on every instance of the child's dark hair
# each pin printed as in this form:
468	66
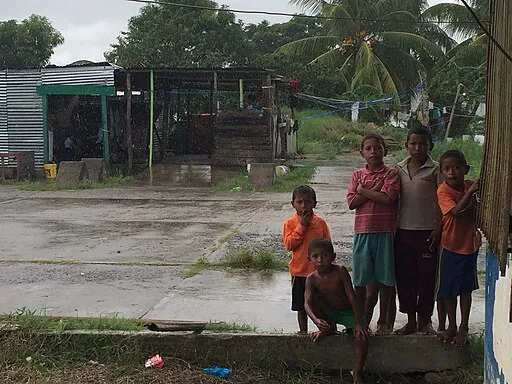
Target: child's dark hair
454	154
322	243
376	136
304	190
421	130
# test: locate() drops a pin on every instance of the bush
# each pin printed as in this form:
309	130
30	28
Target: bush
333	135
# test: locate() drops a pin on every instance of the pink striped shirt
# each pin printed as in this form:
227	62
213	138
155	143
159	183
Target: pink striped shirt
373	217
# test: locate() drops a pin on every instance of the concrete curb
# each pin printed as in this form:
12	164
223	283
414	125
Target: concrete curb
391	354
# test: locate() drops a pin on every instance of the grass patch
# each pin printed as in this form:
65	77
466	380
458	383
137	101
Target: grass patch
222	326
239	183
30	320
197	267
246	258
298	175
243	259
331	136
111	181
473	371
175	371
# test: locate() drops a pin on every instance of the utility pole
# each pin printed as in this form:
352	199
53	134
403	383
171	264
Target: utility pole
459	88
129	138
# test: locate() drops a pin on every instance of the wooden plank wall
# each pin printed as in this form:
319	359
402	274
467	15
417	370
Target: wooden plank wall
242	138
496	178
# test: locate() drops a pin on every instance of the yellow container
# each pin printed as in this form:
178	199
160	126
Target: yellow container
50	171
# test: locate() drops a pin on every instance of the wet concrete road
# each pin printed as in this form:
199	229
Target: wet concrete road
121	251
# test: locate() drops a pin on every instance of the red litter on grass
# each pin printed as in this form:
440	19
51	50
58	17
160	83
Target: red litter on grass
154	362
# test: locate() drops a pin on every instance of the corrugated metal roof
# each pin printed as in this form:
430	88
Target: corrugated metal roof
25	113
82	75
4	137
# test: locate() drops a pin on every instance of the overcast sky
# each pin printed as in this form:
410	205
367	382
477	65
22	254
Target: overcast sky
90	26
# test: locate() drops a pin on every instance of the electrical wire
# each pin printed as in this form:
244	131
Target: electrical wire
269	13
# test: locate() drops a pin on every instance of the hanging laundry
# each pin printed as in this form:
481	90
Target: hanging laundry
355	111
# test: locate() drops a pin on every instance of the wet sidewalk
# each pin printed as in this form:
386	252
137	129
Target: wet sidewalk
121	251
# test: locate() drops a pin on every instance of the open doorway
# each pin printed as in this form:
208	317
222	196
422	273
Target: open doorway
75	127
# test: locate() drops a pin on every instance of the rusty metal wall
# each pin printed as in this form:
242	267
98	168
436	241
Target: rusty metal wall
496	190
82	75
24	113
4	136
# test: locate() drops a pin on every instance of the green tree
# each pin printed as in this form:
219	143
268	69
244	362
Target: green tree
265	39
28	44
177	36
370	44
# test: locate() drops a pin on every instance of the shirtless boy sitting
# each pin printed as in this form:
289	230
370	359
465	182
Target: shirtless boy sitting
330	299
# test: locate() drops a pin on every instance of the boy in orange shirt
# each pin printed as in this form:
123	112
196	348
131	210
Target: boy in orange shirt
460	241
298	231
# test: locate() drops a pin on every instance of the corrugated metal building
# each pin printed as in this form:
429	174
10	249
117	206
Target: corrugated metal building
84	75
21	113
24	113
4	138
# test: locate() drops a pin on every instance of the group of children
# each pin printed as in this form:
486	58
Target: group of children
414	222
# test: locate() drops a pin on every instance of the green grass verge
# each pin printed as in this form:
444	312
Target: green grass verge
30	355
222	326
32	320
111	181
241	259
246	258
299	175
26	320
331	136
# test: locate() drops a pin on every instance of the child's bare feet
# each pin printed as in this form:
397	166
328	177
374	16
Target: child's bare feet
461	338
382	330
358	377
407	329
428	330
315	336
448	335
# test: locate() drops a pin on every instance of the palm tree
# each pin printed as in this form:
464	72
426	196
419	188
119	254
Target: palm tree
465	63
461	24
376	44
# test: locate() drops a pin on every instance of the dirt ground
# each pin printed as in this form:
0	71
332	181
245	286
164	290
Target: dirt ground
122	250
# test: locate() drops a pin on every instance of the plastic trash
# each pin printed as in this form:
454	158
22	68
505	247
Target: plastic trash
155	361
218	371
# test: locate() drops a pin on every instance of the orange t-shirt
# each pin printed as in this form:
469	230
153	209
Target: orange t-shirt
458	231
296	239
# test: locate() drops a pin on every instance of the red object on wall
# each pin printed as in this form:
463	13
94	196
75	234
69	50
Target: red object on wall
296	85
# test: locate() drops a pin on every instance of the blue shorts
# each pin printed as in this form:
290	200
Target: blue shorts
458	274
373	259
